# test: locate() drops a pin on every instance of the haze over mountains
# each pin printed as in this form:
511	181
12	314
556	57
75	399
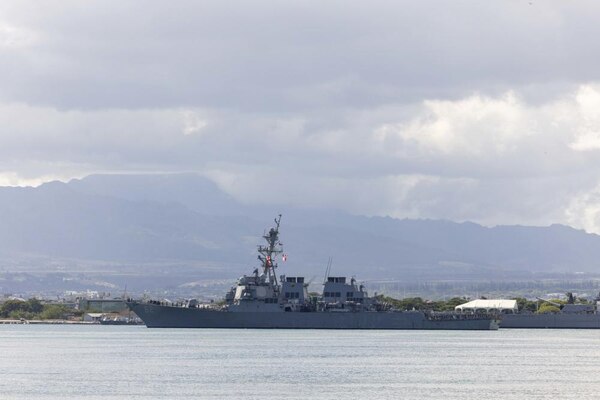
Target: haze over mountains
165	231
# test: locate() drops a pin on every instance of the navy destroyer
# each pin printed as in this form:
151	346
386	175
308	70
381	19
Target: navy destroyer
260	300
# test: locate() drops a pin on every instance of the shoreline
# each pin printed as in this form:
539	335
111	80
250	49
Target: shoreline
45	322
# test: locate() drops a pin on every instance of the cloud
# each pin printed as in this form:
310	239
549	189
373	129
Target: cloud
12	178
474	126
484	112
14	37
488	159
289	57
192	122
588	111
584	210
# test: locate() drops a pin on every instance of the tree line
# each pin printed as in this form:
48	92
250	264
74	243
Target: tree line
420	304
33	309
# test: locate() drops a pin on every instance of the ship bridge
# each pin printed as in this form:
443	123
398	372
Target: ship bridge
336	290
294	289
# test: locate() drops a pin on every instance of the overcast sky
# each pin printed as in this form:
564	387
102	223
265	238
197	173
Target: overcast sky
486	111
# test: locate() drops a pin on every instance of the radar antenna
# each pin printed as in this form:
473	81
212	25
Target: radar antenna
328	269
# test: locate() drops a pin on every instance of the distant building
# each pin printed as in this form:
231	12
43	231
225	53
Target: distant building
92	317
11	298
102	305
489	306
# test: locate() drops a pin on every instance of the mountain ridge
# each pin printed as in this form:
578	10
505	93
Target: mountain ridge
150	220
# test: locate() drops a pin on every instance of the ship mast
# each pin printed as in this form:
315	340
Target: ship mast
268	252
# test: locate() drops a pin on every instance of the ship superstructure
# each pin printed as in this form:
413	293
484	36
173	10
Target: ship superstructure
261	292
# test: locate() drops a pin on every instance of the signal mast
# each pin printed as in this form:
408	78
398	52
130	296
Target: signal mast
267	253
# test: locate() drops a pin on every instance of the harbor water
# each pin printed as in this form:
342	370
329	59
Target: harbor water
129	362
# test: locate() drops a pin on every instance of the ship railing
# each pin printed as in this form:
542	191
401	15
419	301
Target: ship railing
446	316
207	306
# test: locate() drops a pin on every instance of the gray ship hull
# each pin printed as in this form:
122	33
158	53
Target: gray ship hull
551	321
159	316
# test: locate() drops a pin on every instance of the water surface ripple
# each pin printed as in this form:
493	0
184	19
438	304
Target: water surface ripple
114	362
